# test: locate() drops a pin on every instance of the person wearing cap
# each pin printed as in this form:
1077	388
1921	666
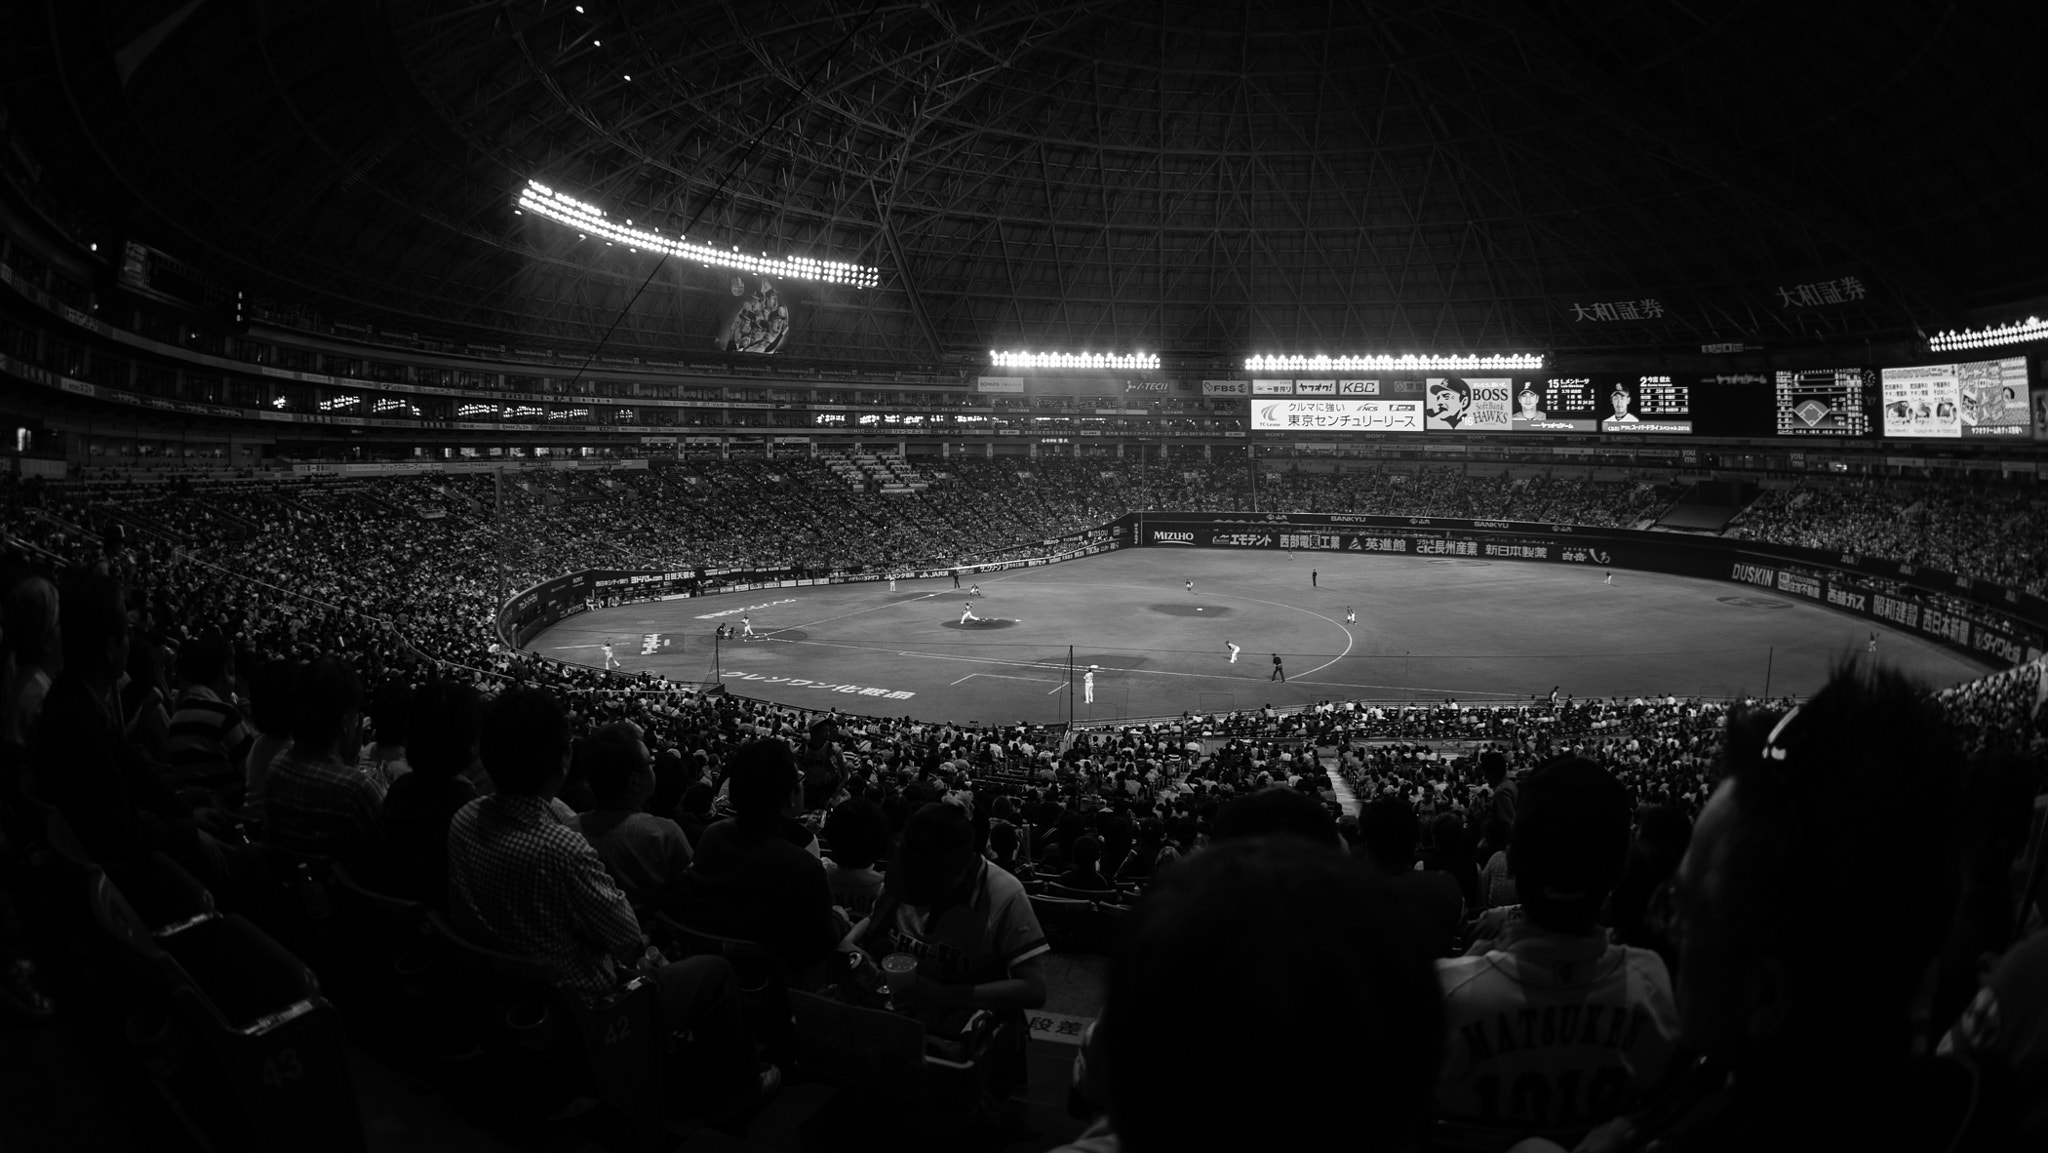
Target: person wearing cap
1088	685
1531	403
970	925
1449	398
1620	399
1550	1026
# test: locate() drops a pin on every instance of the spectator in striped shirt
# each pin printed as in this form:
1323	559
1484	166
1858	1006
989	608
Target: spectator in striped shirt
209	741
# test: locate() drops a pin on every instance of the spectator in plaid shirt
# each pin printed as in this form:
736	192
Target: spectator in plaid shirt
317	801
521	881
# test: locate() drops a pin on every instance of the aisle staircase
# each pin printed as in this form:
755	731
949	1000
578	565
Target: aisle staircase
868	472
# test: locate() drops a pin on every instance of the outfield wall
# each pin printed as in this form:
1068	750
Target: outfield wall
1988	622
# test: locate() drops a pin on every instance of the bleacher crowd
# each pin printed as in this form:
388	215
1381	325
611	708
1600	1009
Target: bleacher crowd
1711	924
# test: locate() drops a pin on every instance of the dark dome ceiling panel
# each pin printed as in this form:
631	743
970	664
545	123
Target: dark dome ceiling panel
1207	179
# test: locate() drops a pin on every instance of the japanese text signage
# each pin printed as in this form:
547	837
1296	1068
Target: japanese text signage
1338	415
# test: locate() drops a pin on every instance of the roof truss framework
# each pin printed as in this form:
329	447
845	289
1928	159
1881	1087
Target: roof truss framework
1205	178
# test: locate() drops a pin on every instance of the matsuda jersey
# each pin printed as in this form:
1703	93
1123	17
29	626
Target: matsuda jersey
1552	1031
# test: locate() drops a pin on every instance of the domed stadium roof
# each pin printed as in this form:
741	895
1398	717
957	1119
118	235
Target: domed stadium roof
1201	180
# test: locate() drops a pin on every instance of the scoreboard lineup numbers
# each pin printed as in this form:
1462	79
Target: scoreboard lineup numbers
1822	402
1555	404
1655	404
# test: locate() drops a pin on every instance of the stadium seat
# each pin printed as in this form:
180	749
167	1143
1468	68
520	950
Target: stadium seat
250	1053
1078	925
293	903
385	949
888	1054
763	979
1099	896
546	1042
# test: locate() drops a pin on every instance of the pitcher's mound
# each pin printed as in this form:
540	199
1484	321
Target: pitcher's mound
1206	612
978	625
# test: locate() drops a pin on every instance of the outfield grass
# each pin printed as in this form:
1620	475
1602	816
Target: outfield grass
1426	630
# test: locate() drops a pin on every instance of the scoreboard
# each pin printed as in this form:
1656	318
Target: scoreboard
1555	404
1823	402
1654	404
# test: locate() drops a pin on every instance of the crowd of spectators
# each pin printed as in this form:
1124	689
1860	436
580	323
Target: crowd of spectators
1979	531
310	668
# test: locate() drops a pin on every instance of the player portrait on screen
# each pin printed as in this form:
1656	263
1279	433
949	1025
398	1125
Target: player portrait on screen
1621	398
1449	398
1531	404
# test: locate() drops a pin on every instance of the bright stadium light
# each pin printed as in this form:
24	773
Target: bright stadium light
588	219
2018	332
1384	363
1115	361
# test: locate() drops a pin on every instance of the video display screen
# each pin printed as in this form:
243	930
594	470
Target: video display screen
1555	404
1994	394
1951	401
1648	404
1823	402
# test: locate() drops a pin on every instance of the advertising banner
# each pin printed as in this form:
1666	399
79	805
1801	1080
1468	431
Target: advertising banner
1468	404
1337	415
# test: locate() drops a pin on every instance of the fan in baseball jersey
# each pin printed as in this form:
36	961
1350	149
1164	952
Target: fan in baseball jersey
1553	1031
978	940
